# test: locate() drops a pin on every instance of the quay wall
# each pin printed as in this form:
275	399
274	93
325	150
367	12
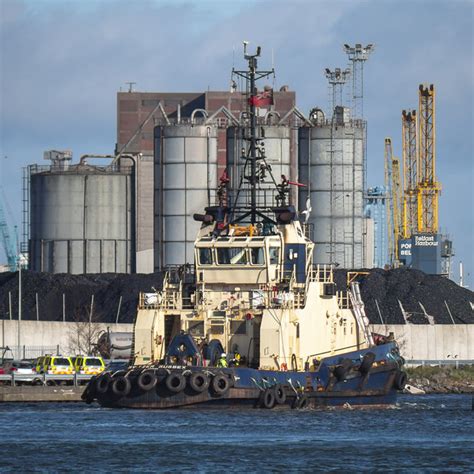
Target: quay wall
443	342
438	342
39	337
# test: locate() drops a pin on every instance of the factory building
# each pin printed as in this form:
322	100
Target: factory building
190	138
81	216
134	214
331	161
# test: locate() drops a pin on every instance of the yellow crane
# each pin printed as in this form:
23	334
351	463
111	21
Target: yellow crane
427	187
394	195
388	154
396	207
410	178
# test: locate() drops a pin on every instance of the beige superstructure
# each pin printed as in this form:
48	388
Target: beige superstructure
256	290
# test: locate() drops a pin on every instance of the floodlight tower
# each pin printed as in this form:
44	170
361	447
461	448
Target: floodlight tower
337	79
357	56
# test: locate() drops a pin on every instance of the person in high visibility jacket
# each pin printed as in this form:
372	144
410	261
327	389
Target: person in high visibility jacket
236	360
222	362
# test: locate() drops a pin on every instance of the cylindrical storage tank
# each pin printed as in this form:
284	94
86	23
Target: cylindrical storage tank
331	162
81	220
185	179
276	141
115	345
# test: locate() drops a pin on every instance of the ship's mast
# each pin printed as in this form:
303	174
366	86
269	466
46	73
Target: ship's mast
251	76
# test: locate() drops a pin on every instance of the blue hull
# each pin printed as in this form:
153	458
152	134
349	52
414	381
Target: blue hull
261	388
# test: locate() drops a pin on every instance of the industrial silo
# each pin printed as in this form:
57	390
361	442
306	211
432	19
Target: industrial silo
331	162
81	219
276	142
185	178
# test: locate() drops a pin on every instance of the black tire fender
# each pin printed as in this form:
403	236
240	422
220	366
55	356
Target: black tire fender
220	384
199	382
89	391
231	380
147	380
400	380
121	386
102	383
175	382
300	402
280	394
268	400
366	363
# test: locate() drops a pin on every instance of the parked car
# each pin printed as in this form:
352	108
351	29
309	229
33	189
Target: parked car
88	365
58	365
39	363
23	370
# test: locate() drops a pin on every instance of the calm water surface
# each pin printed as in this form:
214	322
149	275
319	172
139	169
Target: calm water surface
422	434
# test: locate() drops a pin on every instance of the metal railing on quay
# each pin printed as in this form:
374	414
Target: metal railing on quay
439	363
43	379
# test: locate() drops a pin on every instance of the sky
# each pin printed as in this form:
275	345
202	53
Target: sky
62	63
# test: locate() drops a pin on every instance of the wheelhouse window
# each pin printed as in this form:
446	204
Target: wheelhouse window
205	256
232	256
274	255
257	255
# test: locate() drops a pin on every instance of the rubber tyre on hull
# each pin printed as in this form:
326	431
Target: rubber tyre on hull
280	394
220	384
121	386
400	380
102	384
300	402
90	391
175	382
147	380
198	382
367	362
268	400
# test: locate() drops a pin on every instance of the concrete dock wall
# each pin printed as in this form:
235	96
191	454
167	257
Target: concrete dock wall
39	337
417	342
442	342
40	394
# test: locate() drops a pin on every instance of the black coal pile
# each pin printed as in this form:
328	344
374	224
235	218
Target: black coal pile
415	290
412	288
78	290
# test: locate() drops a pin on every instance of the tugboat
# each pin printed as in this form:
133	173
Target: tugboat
254	321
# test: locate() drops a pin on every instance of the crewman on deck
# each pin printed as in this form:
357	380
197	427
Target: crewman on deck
222	362
236	360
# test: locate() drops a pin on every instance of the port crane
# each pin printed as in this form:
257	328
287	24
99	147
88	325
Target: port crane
410	173
388	189
428	188
9	245
396	208
393	188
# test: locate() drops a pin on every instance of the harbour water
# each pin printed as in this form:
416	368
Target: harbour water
422	433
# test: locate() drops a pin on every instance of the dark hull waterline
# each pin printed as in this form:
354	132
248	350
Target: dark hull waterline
356	386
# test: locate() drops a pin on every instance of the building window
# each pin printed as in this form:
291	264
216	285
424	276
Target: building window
205	256
274	255
257	255
232	256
